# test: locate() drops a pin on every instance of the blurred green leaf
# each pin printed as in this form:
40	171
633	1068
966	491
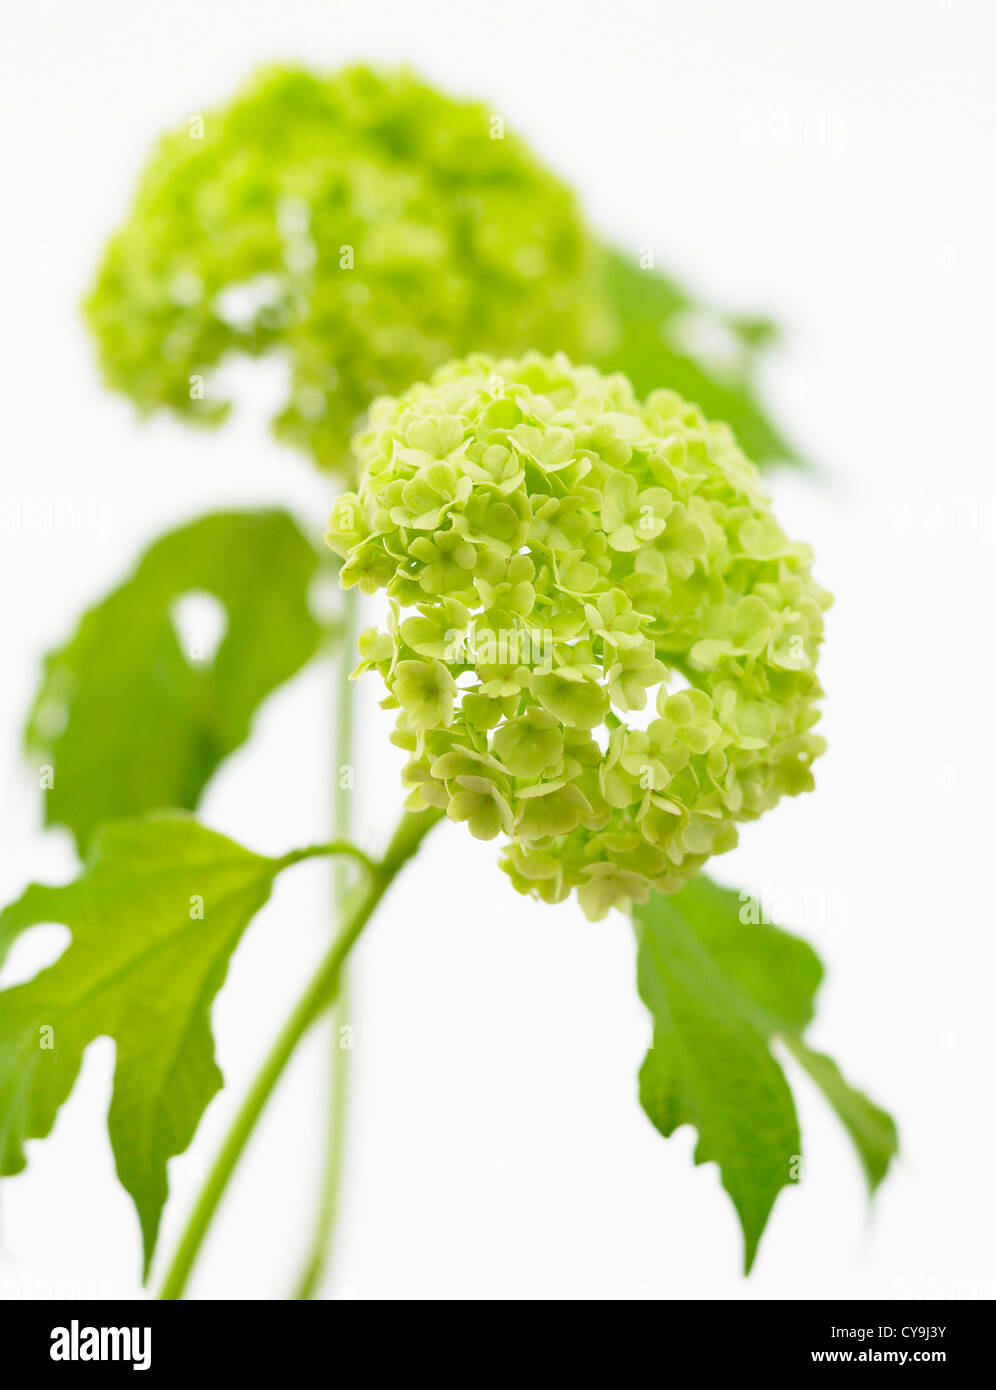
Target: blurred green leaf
154	917
720	990
872	1131
654	314
128	719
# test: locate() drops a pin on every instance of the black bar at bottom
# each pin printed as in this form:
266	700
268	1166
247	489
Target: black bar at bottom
64	1340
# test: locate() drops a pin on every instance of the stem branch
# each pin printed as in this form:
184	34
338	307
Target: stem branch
329	847
318	995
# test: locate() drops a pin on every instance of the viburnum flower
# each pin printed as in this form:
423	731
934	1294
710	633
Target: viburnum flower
364	224
601	645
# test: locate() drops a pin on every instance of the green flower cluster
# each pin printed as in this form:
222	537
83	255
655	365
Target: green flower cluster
558	555
368	226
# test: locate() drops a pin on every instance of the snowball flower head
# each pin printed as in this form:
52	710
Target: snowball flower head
363	224
601	645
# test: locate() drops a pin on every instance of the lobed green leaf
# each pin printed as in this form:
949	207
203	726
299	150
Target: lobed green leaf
129	721
154	916
720	993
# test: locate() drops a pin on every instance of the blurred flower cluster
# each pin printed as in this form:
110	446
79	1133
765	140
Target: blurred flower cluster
556	555
365	225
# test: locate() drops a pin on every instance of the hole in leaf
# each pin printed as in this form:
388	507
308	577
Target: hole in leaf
33	951
201	621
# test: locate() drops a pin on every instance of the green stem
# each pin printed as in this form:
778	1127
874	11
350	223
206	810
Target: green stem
343	848
335	1148
318	995
319	1252
343	754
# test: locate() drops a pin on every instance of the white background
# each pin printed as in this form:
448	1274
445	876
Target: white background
831	164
